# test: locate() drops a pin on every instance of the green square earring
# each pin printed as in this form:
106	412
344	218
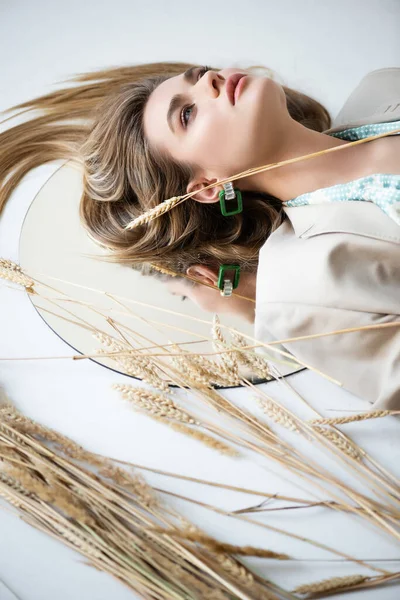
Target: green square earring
230	193
226	285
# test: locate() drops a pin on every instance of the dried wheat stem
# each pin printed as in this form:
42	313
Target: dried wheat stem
56	494
92	492
343	444
116	507
228	563
229	359
328	585
277	414
192	374
167	205
257	364
235	569
13	272
376	414
156	404
204	438
14	484
196	535
155	212
217	372
136	484
136	365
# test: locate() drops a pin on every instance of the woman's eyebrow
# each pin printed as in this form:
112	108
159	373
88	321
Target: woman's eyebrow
178	99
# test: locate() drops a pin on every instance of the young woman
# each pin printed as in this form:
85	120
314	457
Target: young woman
319	268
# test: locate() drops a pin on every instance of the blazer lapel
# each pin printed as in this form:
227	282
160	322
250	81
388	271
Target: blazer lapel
354	216
376	99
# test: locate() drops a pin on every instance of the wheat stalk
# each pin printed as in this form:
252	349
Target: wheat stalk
277	413
194	534
342	443
328	585
202	437
155	404
114	540
229	359
135	365
202	371
257	364
155	212
10	271
376	414
167	205
163	409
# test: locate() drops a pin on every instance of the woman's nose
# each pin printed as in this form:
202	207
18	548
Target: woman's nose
213	82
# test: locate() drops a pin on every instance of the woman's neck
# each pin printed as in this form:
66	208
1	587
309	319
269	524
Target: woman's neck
307	175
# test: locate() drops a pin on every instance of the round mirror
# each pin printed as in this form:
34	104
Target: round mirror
88	302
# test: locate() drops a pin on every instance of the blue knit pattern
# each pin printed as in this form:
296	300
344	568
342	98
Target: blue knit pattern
382	189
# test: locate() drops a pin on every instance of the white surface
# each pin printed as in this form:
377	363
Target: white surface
322	48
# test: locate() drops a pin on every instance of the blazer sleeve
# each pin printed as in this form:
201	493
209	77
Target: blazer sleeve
367	363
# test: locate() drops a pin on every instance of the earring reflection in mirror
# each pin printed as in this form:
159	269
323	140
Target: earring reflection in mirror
219	298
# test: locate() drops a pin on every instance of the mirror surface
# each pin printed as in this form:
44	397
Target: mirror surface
78	291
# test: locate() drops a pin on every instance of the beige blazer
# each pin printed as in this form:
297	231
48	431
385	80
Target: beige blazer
336	266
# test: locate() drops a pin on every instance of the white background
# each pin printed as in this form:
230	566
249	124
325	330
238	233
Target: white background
320	48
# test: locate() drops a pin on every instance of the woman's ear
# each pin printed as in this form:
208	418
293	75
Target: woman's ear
203	273
207	196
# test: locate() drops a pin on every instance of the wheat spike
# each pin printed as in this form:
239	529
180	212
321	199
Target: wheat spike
228	358
165	206
180	574
376	414
277	414
164	270
12	272
195	535
227	563
53	494
194	376
76	540
15	485
209	371
328	585
235	569
155	404
136	484
136	365
155	212
257	364
204	438
339	441
20	422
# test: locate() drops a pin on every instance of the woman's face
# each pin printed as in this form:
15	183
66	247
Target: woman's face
209	131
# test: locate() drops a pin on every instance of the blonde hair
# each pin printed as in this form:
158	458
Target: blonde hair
124	176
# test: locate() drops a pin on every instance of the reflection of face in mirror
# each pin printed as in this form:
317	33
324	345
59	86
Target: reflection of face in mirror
211	300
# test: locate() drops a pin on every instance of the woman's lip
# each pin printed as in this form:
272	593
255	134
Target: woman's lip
238	88
230	86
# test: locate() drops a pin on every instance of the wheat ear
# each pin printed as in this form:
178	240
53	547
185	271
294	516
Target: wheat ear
329	585
155	212
10	271
376	414
167	205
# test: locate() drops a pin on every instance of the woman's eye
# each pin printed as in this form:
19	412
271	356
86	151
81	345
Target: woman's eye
185	121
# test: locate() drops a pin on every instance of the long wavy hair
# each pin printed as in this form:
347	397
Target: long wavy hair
99	124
